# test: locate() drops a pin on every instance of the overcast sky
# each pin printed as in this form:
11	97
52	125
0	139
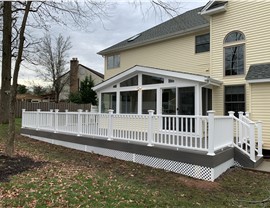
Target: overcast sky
124	22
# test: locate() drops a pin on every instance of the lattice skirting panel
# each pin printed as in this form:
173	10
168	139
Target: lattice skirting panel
237	164
195	171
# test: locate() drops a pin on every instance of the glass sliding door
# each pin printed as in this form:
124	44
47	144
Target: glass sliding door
169	101
206	100
129	102
149	101
169	108
186	101
186	107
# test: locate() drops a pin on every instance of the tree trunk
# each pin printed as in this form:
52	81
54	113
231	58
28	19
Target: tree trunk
6	62
9	148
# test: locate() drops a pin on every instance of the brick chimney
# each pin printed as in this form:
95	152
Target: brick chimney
74	68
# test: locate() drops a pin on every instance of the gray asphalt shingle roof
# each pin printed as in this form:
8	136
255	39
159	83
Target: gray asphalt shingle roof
258	71
181	24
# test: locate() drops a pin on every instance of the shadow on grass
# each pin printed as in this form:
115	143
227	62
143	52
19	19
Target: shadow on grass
10	166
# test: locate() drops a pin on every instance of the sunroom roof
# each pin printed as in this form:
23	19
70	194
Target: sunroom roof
156	71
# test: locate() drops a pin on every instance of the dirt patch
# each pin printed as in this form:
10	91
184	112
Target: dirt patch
198	184
10	166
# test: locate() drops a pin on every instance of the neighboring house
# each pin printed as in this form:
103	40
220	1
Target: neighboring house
29	98
213	57
75	75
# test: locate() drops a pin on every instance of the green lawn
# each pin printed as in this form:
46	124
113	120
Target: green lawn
44	175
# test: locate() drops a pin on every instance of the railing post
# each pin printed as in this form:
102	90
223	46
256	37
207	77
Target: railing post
79	122
150	128
23	118
56	120
231	113
66	116
259	126
37	119
247	114
110	124
252	140
51	118
240	113
211	132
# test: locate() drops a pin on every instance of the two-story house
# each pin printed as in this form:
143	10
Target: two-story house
72	79
215	57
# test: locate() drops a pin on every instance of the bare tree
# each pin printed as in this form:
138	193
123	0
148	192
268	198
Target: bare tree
52	55
9	147
80	14
6	62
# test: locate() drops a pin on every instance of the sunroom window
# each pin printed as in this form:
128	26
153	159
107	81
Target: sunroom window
108	101
129	102
234	51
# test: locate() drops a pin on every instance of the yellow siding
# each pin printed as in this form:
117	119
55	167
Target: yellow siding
175	54
261	109
252	18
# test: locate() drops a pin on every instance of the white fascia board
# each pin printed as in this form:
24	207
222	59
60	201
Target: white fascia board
258	81
207	6
114	79
155	72
167	73
215	11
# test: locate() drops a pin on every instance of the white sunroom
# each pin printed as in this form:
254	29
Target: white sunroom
140	88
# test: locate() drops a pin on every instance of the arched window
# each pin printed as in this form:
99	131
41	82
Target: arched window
234	53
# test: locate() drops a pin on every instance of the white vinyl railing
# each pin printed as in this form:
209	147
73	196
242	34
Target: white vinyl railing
247	135
204	133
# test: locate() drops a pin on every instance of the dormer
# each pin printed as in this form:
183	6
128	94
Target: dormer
214	7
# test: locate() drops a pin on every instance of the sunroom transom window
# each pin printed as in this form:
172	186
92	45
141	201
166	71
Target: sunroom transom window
234	53
149	80
133	81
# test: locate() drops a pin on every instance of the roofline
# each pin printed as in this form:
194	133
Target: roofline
89	69
158	71
159	39
93	71
207	6
214	81
207	12
252	81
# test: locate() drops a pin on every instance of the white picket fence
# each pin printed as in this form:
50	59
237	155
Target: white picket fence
202	133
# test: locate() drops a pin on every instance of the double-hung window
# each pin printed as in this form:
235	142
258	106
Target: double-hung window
234	99
202	43
113	61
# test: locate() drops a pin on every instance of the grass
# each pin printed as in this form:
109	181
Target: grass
45	175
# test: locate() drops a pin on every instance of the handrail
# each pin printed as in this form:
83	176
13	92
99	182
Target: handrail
178	131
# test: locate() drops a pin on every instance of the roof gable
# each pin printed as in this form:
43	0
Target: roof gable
156	72
93	71
214	7
180	25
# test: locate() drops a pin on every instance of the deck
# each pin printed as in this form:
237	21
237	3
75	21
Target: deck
191	145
